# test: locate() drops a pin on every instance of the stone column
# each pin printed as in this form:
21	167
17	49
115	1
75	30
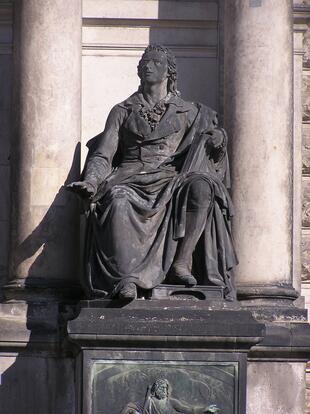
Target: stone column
258	113
45	150
299	31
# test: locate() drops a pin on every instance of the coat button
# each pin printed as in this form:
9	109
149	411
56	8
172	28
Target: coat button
161	146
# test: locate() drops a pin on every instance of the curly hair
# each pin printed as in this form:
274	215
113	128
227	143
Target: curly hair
161	382
172	67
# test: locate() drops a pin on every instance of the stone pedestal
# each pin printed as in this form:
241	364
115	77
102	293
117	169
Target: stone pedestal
45	149
201	352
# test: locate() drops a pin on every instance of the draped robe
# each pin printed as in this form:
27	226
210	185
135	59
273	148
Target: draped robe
138	214
164	406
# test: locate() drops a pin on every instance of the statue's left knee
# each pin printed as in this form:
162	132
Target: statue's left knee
199	195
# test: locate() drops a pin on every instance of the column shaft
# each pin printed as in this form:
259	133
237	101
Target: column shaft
258	108
44	224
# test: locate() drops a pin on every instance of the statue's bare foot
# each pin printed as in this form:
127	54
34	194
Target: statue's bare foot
182	275
128	291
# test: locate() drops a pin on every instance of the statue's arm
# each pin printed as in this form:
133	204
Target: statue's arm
98	165
181	407
217	137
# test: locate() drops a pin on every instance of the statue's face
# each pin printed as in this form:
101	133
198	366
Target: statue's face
161	390
154	67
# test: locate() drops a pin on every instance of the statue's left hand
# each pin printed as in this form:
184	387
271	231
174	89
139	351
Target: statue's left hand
212	409
83	188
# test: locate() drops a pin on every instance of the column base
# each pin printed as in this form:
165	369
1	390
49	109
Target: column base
268	295
271	302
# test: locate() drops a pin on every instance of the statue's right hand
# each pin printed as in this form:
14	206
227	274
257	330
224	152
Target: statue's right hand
83	188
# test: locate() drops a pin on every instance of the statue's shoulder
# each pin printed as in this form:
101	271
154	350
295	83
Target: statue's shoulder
182	105
209	114
195	107
132	100
207	110
121	110
188	110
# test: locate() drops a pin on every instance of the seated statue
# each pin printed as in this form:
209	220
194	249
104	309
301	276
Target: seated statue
158	400
156	180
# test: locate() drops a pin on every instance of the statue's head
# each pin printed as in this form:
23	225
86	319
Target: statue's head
160	389
166	66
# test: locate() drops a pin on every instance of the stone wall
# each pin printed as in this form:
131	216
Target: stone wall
114	37
5	131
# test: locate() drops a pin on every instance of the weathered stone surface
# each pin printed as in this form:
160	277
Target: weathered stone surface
35	374
46	133
306	96
301	2
162	342
305	249
307	405
258	95
150	9
5	144
275	387
306	203
4	231
33	384
305	295
201	327
5	192
5	135
6	84
306	57
4	244
306	149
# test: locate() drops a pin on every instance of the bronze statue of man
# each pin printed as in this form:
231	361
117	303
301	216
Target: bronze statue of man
157	180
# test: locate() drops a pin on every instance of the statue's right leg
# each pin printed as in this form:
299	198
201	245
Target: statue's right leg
198	203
